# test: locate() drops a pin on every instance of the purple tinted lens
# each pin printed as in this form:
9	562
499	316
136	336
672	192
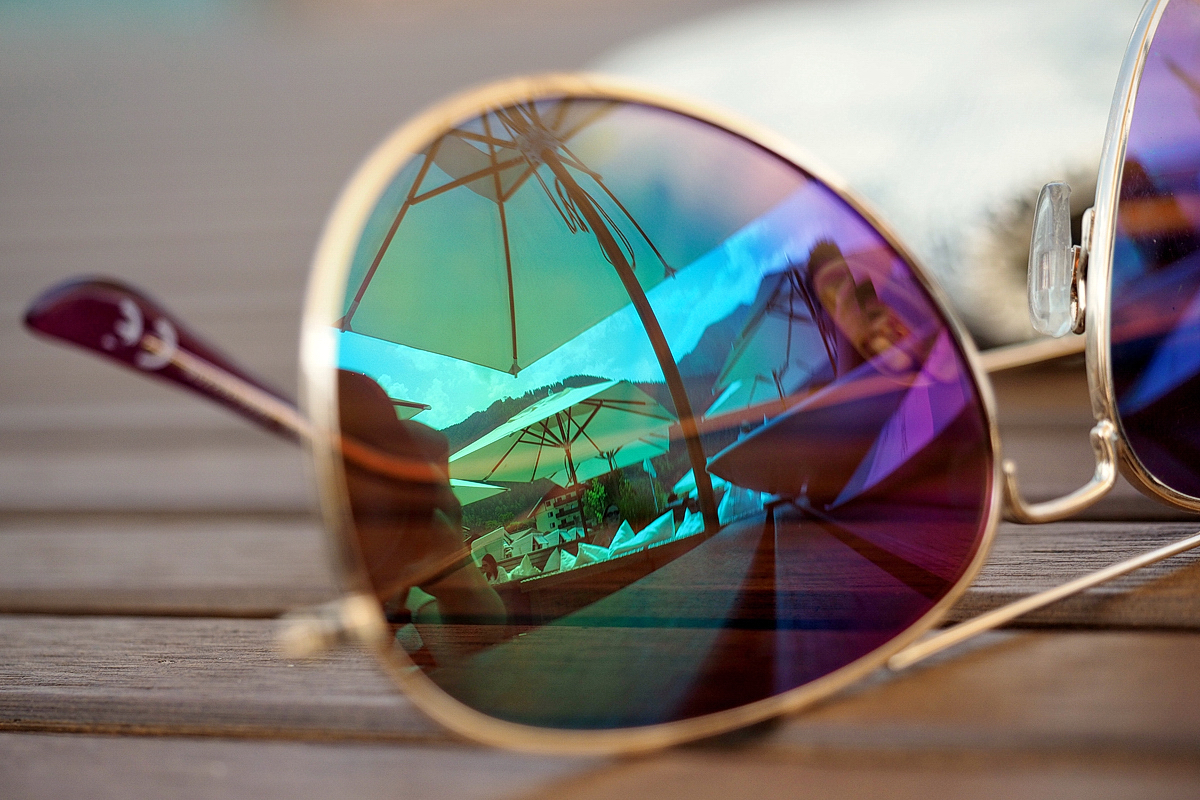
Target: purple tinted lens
1156	259
555	284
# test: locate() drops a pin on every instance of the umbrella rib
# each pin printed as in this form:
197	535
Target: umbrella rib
564	435
545	439
487	139
549	436
787	350
534	115
520	181
387	240
500	461
586	422
636	224
516	128
575	162
566	445
590	440
794	276
464	180
628	406
512	299
570	225
561	111
537	462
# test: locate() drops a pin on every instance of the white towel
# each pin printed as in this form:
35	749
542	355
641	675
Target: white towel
525	569
590	554
660	530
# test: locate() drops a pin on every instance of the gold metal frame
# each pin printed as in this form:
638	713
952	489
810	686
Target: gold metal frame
1100	254
1093	280
318	394
1093	285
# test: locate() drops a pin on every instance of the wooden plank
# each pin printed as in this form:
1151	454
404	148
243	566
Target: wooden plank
251	477
102	767
1031	558
53	766
150	675
1036	695
262	565
692	775
235	565
1032	695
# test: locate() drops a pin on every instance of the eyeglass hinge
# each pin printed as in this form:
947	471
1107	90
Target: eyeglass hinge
1079	273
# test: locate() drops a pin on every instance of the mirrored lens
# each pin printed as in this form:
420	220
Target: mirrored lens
1156	259
707	437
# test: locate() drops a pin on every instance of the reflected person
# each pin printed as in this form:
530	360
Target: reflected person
410	533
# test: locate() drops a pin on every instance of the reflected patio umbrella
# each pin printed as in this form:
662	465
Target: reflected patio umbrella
469	492
496	203
784	342
570	436
407	409
854	433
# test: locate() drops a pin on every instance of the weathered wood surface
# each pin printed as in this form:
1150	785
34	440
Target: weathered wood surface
1037	693
255	566
141	532
101	767
1052	708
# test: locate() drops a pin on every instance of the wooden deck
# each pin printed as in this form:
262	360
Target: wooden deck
147	540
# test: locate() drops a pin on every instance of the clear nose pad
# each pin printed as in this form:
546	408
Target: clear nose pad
1057	288
1055	275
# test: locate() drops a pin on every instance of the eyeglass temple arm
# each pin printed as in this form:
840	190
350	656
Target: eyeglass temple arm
1104	442
963	631
1057	279
115	321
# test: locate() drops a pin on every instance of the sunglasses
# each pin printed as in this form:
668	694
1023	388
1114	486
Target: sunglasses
632	425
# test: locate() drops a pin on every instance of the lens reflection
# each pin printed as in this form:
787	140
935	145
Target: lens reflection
1156	263
706	437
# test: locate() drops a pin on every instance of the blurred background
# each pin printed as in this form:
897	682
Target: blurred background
193	149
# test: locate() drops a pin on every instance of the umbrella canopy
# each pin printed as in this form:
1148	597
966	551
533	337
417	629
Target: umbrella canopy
407	409
782	345
484	209
570	436
853	434
469	492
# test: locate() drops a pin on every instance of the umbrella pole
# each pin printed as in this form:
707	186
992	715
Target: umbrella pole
573	477
658	340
